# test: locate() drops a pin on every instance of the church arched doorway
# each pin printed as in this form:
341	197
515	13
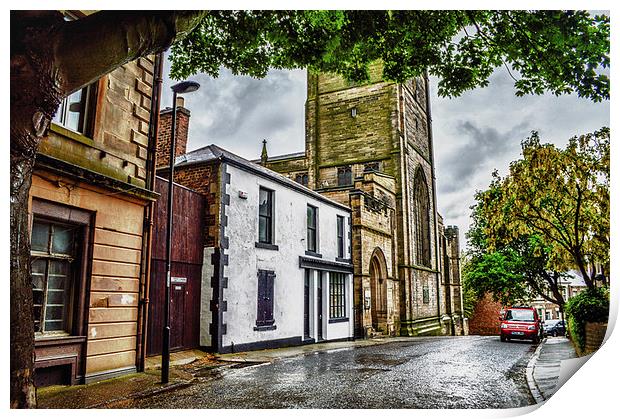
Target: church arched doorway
378	291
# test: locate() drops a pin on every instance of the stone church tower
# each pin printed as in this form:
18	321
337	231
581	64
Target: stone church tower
370	146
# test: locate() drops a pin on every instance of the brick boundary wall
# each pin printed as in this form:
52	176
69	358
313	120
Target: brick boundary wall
485	318
595	334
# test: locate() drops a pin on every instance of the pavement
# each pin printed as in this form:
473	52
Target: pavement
189	367
544	369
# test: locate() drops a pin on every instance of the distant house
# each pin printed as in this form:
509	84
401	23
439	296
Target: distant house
570	285
91	190
277	258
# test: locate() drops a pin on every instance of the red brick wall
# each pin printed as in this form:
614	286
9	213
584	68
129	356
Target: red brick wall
485	320
164	131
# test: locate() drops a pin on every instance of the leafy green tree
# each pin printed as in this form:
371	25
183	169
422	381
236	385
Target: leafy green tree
497	273
559	196
513	270
556	51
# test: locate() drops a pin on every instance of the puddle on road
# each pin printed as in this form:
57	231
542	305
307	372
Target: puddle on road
246	365
376	359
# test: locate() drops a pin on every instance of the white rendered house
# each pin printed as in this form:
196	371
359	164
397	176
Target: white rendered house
279	272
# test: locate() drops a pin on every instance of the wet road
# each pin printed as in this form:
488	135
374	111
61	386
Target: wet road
444	372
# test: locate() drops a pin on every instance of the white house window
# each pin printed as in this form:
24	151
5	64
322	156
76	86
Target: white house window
337	306
265	216
340	233
311	233
53	256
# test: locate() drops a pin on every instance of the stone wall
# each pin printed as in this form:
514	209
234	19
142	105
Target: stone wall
117	145
115	271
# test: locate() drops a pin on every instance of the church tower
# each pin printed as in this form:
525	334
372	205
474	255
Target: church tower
370	146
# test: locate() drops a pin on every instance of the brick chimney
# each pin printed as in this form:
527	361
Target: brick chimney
165	129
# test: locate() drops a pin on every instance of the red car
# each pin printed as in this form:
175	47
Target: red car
520	323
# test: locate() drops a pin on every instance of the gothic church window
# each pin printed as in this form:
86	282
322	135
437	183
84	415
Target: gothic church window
344	176
372	166
302	178
422	220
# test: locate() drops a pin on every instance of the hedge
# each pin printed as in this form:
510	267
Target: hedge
591	305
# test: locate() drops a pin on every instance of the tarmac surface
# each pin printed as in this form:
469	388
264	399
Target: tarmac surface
423	372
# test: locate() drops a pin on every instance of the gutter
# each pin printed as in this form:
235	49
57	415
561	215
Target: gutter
145	265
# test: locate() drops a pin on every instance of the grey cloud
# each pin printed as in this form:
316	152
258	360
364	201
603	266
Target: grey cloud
484	145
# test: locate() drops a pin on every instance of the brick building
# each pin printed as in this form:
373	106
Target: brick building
91	194
370	147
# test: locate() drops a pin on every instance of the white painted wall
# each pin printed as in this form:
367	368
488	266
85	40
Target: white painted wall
290	236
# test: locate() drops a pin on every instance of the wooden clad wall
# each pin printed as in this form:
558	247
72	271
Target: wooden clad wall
187	255
115	268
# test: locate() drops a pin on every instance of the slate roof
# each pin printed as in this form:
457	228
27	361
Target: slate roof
296	155
213	152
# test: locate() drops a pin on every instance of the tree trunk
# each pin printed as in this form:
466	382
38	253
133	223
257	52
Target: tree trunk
35	96
47	64
22	331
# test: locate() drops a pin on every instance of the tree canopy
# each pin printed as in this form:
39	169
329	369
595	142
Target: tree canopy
560	196
512	270
544	51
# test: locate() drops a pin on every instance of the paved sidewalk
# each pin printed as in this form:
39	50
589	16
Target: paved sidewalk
543	370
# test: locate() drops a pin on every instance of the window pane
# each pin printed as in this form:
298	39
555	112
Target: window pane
54	325
56	297
73	111
62	240
38	266
37	318
311	217
311	240
262	230
59	267
264	201
37	297
54	312
56	282
40	236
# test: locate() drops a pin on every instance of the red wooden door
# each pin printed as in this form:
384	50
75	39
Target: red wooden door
187	253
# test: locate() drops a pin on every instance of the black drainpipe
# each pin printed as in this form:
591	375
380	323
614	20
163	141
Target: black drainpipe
145	266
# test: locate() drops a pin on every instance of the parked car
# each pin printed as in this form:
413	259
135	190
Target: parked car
520	323
554	328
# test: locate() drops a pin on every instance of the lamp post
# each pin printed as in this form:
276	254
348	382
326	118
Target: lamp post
179	88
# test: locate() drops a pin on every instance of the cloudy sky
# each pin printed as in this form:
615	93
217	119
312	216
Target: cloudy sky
474	134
